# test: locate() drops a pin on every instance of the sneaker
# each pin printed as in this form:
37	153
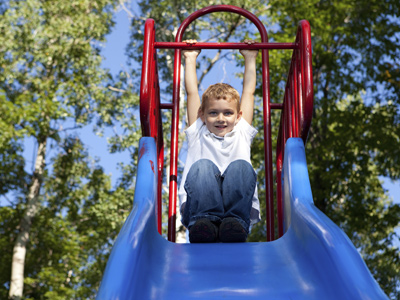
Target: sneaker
203	231
231	231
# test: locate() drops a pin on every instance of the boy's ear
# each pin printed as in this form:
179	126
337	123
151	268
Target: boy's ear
200	114
239	116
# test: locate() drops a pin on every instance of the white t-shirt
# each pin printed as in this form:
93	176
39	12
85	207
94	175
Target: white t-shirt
202	144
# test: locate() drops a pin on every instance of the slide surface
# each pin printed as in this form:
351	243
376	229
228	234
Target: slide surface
313	260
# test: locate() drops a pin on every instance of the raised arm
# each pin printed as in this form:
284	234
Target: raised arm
191	84
249	83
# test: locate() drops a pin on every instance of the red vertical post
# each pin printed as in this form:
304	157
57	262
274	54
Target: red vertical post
160	149
295	97
269	181
299	93
279	166
173	180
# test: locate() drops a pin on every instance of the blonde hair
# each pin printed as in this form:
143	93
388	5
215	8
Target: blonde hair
220	91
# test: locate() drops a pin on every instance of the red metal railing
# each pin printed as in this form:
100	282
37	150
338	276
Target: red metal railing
296	109
150	116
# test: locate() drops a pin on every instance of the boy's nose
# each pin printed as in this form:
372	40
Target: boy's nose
220	117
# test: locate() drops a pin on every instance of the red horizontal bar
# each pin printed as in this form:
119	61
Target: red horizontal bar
256	46
276	105
166	105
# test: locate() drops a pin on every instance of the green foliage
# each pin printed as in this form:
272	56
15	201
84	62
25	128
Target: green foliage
51	84
48	69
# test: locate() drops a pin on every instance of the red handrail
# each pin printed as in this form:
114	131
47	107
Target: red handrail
150	116
297	105
296	108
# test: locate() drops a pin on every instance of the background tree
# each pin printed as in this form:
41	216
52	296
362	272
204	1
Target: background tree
58	220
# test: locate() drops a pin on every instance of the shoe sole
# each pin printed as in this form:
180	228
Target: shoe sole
231	231
203	231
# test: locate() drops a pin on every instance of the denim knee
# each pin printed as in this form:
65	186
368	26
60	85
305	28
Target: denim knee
203	167
240	166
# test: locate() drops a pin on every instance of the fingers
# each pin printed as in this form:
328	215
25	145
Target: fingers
249	42
190	42
190	52
246	52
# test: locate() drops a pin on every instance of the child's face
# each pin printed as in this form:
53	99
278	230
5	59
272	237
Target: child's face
220	116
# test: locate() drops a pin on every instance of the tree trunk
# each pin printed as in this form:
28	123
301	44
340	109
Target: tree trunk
32	205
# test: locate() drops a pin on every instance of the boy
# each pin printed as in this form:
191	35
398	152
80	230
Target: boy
218	189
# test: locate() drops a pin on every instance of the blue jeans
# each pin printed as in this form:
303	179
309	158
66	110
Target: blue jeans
215	197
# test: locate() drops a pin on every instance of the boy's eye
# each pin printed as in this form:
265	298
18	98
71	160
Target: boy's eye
228	113
213	113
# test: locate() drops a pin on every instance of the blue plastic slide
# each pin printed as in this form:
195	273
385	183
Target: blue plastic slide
313	260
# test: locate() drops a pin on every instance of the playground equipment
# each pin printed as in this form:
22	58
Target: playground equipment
312	259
